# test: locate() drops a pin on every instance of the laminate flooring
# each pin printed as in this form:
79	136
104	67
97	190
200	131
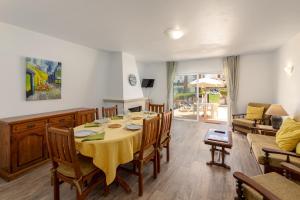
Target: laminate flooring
186	176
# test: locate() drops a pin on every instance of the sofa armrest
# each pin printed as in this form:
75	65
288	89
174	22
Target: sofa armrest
290	168
243	179
238	115
281	152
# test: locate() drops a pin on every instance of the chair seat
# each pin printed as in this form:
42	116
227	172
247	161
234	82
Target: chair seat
257	142
86	166
243	122
147	152
164	139
275	183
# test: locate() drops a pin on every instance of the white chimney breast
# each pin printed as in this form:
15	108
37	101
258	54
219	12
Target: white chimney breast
130	67
119	91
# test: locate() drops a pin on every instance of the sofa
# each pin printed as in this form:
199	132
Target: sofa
269	155
243	125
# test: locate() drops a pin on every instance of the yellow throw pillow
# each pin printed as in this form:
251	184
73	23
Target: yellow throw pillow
298	148
254	112
288	135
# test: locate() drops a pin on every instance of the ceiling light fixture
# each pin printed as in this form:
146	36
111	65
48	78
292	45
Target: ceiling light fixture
174	33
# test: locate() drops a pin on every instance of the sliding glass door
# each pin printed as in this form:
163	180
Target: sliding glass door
185	97
200	97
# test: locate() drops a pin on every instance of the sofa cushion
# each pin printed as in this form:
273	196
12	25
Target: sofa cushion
288	135
280	186
254	113
257	142
298	148
243	122
265	105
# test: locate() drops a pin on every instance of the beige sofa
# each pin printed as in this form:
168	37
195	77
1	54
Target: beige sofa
268	154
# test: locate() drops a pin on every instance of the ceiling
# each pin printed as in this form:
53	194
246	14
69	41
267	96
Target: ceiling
213	27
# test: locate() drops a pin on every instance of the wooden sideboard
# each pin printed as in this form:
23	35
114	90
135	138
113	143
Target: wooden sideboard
23	139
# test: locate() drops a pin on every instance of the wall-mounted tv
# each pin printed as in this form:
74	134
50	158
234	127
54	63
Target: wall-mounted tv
147	83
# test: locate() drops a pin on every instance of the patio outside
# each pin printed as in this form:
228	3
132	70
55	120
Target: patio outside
209	91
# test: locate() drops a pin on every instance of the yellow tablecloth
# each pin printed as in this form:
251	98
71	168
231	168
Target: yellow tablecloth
118	146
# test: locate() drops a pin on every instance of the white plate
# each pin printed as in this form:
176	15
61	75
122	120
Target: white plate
83	133
101	121
133	126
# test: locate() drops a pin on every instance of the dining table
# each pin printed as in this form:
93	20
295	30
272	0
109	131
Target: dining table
117	147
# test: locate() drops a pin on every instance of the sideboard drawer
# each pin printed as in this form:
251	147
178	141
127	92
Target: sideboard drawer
29	126
66	120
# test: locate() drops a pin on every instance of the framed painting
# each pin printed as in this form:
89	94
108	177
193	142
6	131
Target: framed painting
43	79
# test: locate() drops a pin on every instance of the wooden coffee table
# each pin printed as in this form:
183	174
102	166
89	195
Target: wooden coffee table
219	146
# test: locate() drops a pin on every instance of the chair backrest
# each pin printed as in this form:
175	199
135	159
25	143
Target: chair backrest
265	105
150	135
158	108
110	112
166	122
61	148
266	118
88	116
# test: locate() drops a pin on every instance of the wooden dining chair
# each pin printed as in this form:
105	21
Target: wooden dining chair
164	136
110	112
158	108
67	166
147	152
87	116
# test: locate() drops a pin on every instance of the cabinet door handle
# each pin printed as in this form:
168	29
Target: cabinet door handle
30	125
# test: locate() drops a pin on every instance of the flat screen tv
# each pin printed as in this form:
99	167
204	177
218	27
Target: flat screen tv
147	83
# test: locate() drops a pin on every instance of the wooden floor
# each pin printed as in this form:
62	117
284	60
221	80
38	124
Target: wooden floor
186	176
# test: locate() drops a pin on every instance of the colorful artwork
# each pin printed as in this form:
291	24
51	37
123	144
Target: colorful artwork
43	79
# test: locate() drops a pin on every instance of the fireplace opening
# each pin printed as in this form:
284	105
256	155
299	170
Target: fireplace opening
135	109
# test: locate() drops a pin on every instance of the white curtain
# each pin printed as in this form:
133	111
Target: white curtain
231	72
171	69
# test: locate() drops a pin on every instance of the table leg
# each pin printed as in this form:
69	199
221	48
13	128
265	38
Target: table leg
223	152
123	183
223	155
223	158
212	151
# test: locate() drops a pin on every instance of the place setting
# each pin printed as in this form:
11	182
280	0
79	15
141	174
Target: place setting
89	135
133	126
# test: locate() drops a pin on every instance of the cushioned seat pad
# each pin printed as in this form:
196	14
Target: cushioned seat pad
275	183
86	167
147	152
243	122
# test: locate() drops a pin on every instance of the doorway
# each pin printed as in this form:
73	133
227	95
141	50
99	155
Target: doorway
200	97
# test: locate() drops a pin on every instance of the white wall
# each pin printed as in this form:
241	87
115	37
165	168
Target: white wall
83	72
157	71
114	77
130	67
211	65
288	87
256	82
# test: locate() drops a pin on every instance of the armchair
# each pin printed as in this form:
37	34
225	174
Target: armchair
241	124
271	186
